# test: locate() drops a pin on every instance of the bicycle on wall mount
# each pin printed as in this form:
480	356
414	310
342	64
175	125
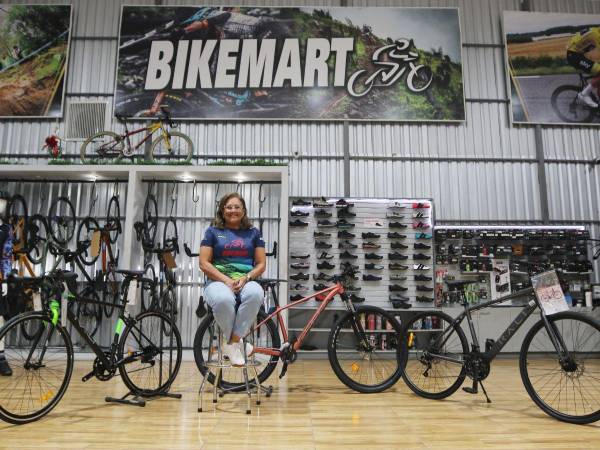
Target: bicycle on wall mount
170	146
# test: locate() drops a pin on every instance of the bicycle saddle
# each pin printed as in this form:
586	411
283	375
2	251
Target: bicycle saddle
120	118
131	273
270	281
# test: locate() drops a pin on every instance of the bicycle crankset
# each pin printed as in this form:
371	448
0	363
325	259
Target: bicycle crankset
477	367
104	373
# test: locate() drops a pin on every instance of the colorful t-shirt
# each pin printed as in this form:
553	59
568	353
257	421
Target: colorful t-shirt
233	250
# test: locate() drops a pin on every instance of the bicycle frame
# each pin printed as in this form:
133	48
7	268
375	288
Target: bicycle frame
331	293
510	331
153	127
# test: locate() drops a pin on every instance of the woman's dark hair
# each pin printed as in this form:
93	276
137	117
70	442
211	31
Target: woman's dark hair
219	220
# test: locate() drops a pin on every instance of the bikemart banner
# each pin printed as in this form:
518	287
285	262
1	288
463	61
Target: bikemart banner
391	64
34	50
548	58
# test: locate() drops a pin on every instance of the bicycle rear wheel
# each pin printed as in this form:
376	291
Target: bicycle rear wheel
150	220
110	292
89	315
567	106
148	295
435	355
153	358
42	368
367	358
113	219
103	145
177	148
61	220
232	379
37	237
85	234
16	215
567	390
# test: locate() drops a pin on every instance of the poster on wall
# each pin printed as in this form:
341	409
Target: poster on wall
34	51
206	62
550	59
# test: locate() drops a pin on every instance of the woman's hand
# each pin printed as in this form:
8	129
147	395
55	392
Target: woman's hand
239	284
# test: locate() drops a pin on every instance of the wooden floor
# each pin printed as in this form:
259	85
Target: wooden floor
310	409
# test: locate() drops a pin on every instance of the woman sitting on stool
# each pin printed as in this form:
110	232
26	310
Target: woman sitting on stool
232	254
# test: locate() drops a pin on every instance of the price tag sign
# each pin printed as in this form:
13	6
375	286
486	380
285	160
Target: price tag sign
37	301
95	244
132	293
549	293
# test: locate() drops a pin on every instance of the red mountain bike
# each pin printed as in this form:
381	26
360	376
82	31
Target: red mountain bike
364	345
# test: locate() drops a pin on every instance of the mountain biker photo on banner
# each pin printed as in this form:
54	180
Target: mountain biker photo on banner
290	63
34	51
553	63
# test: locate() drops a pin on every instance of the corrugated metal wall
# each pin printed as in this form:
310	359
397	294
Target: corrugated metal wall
481	170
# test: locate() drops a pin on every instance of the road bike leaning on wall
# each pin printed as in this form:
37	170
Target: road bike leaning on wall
365	358
146	350
169	146
559	359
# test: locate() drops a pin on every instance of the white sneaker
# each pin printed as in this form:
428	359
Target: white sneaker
234	353
249	348
587	100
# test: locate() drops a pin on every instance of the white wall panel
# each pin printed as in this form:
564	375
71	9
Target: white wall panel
467	191
573	191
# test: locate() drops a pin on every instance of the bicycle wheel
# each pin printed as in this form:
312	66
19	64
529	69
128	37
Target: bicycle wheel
61	220
89	315
41	368
152	358
170	235
110	292
16	215
567	106
366	358
435	355
150	220
232	379
113	219
85	234
148	293
105	144
177	148
37	236
567	390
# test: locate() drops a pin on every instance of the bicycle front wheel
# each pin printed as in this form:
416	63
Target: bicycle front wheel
567	106
37	237
435	355
42	368
105	145
176	148
232	379
365	350
150	357
85	235
565	389
61	220
111	292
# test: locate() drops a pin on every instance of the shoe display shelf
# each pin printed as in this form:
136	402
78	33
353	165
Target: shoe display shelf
388	240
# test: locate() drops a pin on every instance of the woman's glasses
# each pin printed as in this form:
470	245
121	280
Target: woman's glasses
233	207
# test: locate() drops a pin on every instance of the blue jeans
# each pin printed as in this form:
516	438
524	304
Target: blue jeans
222	300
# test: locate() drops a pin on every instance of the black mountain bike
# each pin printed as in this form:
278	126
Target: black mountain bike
559	359
569	108
146	350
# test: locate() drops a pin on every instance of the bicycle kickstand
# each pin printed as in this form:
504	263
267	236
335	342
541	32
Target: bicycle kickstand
474	390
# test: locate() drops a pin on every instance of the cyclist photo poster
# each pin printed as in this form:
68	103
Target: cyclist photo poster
34	51
336	63
553	64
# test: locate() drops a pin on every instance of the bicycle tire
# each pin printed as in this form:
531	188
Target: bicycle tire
146	334
170	235
113	219
566	106
85	234
110	292
424	342
89	315
61	220
571	374
148	293
232	378
114	143
150	220
37	237
181	151
57	363
343	341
